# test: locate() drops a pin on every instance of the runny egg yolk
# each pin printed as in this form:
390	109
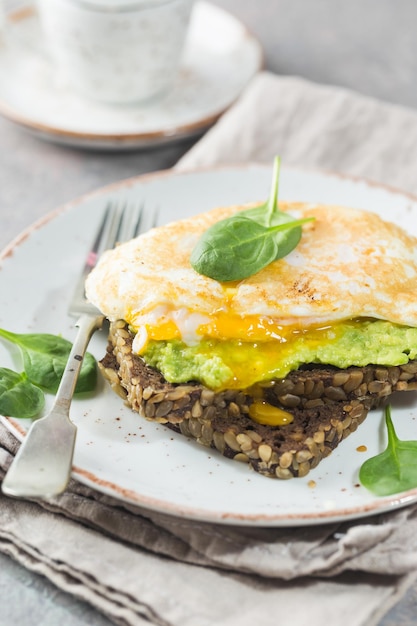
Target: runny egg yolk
264	413
253	348
225	327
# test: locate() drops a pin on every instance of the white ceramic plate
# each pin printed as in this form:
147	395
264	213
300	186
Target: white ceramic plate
123	455
220	58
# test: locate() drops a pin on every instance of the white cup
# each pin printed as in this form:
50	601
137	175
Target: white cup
116	51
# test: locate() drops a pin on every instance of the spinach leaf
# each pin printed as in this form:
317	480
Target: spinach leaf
45	357
240	248
393	470
241	245
18	397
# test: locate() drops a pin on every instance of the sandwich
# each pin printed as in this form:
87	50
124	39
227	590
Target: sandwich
271	364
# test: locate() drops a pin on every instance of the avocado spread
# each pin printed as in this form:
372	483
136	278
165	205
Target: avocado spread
223	364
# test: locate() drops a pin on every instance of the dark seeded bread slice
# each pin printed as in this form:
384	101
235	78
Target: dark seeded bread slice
327	405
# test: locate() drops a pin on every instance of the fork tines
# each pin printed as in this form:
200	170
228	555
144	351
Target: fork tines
121	221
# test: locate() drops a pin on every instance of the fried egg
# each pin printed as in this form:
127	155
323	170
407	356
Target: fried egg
349	264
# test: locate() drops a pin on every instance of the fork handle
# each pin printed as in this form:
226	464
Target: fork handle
87	324
42	465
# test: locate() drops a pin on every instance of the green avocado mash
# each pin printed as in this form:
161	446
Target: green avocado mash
238	364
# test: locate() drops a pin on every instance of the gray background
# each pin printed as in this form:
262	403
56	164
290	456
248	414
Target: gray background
367	45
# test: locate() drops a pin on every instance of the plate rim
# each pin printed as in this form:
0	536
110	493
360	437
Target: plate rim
179	170
175	132
378	506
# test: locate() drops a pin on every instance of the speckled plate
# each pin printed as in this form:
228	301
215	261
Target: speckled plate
121	454
213	72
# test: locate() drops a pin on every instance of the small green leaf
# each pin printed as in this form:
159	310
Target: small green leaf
219	255
45	357
395	469
18	397
287	239
238	249
241	245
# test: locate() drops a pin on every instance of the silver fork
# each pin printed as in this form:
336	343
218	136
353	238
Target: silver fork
42	465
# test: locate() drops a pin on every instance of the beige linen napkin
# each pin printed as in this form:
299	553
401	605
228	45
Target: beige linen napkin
140	567
316	127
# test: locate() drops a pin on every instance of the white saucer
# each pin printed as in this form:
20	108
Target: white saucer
220	58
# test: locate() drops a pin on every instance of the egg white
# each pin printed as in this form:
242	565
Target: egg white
349	263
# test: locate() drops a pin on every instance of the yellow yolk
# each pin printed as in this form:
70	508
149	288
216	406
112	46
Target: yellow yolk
166	331
226	351
224	326
253	348
250	328
265	413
